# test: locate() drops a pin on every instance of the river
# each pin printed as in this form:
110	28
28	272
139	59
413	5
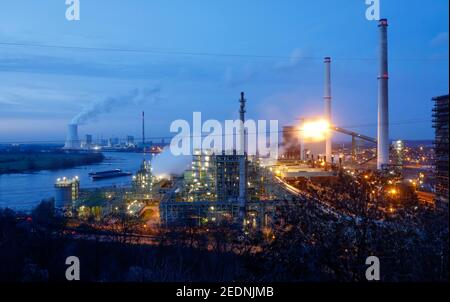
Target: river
23	191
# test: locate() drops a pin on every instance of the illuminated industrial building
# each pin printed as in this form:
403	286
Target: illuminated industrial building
215	187
198	207
143	181
200	180
210	191
398	150
67	192
227	176
440	124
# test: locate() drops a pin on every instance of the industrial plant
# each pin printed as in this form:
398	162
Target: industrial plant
231	186
127	144
118	185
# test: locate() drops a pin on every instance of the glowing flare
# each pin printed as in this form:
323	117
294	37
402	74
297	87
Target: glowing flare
315	130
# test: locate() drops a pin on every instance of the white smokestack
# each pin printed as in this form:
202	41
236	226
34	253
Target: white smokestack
327	99
383	97
72	140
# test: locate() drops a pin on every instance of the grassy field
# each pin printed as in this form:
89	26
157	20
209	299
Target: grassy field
36	161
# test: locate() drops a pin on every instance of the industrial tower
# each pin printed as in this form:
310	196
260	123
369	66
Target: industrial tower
327	99
383	98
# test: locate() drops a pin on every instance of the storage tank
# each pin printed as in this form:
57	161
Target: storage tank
66	191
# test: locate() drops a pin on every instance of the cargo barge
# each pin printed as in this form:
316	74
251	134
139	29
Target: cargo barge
108	174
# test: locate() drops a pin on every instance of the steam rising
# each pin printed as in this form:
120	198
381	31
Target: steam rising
134	97
165	163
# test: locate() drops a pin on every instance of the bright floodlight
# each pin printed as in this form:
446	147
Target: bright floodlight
315	130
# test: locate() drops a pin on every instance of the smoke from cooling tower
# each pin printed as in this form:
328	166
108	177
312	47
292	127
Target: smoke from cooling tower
134	97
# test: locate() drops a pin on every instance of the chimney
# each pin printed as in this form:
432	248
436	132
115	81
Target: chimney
143	129
243	157
327	99
383	98
242	111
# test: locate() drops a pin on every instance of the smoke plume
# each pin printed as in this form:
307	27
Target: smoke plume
134	97
165	163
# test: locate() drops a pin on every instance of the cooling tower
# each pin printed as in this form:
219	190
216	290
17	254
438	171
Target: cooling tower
72	140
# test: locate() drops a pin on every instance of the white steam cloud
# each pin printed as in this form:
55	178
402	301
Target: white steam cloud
165	163
134	97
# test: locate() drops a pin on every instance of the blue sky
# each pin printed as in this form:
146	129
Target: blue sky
280	46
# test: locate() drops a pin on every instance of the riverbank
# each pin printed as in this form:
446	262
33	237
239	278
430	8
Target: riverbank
23	191
21	162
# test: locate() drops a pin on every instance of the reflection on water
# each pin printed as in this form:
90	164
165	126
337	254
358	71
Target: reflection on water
24	191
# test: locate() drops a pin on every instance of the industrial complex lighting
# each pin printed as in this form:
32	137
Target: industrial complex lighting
315	130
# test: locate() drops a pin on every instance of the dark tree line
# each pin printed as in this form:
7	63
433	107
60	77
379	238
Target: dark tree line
304	243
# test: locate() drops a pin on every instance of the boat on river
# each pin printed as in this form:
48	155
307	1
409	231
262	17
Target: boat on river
109	174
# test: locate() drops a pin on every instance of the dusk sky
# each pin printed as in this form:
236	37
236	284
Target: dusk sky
199	55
